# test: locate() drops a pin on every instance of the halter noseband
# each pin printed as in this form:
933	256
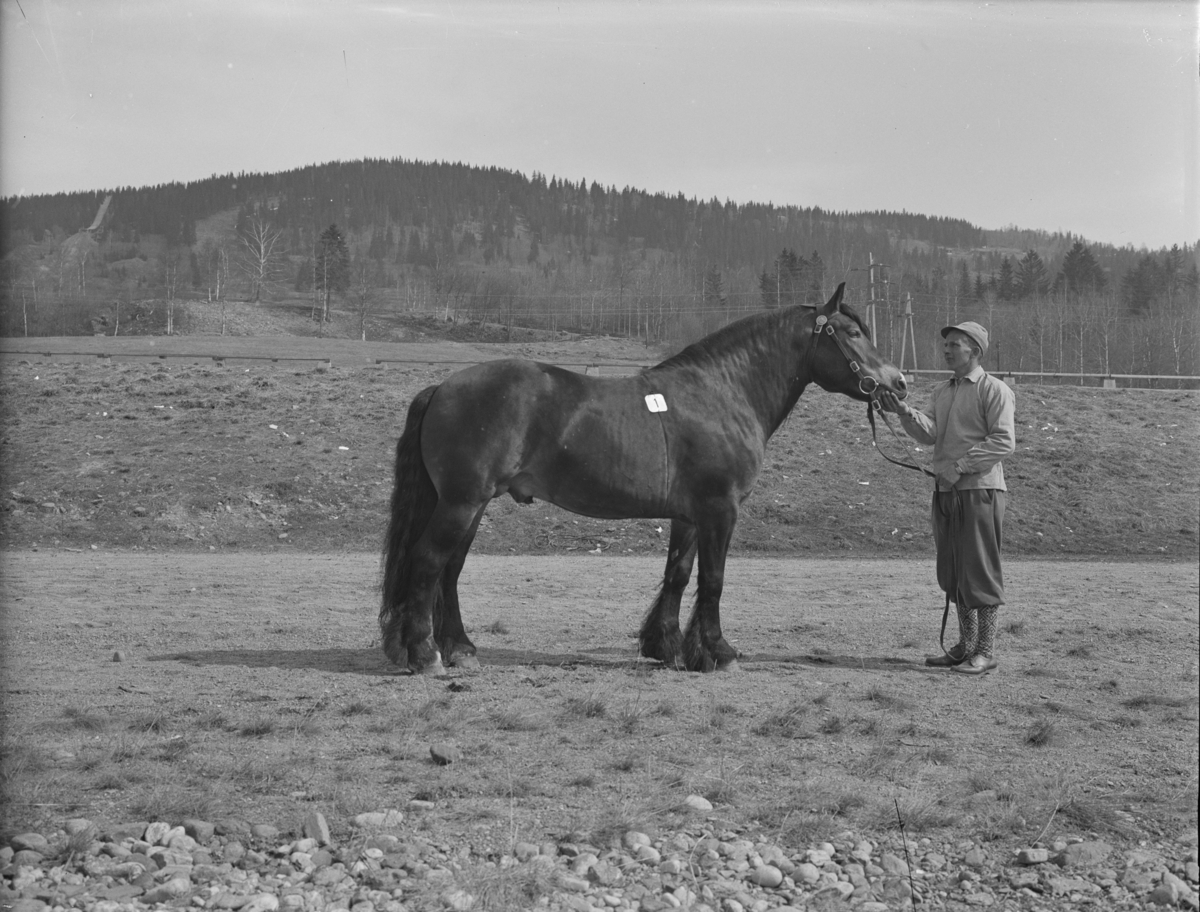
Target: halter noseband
866	385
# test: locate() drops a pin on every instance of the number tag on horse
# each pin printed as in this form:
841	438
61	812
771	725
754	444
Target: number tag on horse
656	403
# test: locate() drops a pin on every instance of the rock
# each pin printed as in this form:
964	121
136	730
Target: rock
118	656
976	858
647	855
894	865
26	904
155	832
458	900
524	851
122	831
862	851
199	830
633	839
1033	856
767	876
33	842
76	826
1061	886
807	873
232	826
1083	854
445	753
172	889
1023	879
1165	894
27	858
819	857
378	820
698	803
262	902
264	832
315	827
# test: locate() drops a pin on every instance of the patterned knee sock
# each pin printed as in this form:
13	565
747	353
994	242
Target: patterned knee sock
989	620
968	629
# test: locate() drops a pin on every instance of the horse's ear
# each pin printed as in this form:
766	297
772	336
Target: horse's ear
832	305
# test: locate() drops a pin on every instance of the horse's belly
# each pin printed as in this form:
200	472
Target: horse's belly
602	479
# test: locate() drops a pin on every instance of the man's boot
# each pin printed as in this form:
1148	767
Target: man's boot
982	661
968	634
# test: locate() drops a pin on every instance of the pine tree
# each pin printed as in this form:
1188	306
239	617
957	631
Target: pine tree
1080	273
1006	286
331	269
964	281
1031	279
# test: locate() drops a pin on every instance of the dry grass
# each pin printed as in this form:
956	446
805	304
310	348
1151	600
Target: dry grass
1126	514
1042	733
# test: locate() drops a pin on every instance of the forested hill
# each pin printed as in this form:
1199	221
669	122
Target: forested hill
488	214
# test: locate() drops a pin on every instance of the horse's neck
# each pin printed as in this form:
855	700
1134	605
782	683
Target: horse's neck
773	374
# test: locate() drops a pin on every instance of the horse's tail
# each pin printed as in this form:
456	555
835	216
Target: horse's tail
413	500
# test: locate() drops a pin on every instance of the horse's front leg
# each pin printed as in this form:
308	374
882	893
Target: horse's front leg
660	637
704	648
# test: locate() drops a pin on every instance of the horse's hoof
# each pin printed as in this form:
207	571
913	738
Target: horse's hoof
731	665
435	670
464	661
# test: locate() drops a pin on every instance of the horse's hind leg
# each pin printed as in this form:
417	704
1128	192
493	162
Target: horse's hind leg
433	552
660	637
448	630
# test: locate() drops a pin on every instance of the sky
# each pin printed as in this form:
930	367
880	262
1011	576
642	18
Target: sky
1079	116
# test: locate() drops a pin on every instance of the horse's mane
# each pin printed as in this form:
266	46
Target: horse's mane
740	334
735	336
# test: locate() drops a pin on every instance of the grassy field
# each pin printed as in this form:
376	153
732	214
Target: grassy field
253	686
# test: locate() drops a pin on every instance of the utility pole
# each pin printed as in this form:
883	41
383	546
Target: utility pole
871	299
908	336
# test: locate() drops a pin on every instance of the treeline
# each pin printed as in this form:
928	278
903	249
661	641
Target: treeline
492	244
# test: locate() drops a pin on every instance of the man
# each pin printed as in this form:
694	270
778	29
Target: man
970	423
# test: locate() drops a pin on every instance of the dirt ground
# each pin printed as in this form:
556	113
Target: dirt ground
253	684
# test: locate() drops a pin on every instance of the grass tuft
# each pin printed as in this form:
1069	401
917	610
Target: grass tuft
587	707
1043	733
786	724
256	728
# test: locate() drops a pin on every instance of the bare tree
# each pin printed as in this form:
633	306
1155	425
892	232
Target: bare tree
172	261
364	284
214	260
260	256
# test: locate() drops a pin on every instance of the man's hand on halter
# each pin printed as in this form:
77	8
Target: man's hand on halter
892	403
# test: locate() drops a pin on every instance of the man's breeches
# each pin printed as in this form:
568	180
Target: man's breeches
967	528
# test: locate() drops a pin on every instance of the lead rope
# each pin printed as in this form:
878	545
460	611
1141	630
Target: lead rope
822	325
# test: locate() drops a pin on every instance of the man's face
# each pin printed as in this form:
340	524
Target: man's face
958	351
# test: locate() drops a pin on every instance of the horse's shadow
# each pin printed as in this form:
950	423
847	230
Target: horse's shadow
371	661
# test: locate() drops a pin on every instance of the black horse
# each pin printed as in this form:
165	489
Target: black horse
682	441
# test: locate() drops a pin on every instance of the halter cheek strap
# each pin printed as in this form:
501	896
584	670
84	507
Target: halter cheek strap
866	385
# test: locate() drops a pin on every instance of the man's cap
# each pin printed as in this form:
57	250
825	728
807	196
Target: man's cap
975	331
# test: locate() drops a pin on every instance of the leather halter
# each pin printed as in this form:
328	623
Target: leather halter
866	385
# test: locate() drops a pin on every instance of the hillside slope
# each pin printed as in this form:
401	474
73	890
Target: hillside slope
172	454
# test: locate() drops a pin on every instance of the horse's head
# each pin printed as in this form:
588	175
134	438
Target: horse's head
843	358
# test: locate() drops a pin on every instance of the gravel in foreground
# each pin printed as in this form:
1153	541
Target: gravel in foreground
379	863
